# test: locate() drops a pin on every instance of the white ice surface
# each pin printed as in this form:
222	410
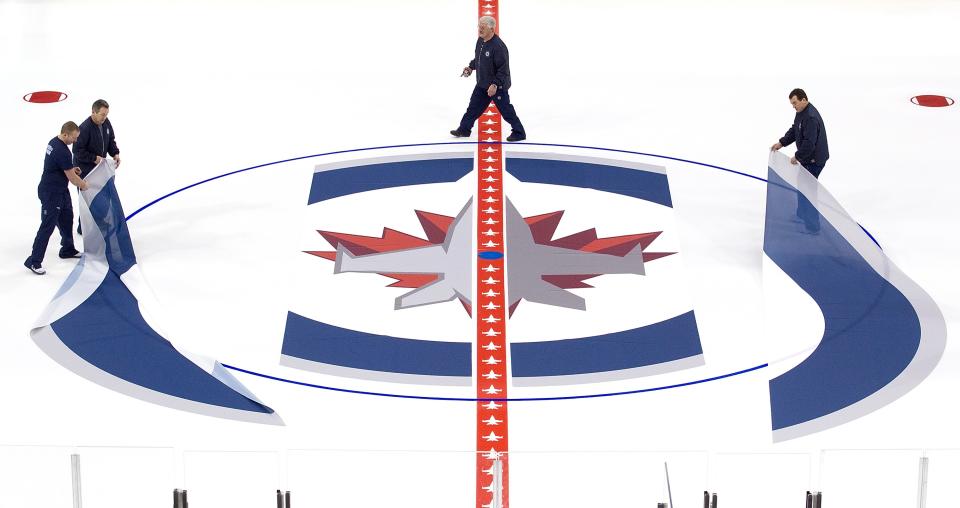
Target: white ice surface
199	89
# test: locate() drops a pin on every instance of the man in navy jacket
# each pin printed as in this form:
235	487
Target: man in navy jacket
96	140
812	151
56	206
492	63
809	134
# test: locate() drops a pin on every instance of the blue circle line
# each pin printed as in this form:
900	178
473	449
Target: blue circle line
353	150
517	399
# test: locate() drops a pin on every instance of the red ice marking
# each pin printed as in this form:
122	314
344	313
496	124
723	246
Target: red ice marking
434	225
490	305
932	101
45	97
361	245
543	227
490	310
489	8
411	280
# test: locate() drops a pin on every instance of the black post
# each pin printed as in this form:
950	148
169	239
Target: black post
279	499
176	498
183	499
713	503
288	500
706	499
809	500
661	505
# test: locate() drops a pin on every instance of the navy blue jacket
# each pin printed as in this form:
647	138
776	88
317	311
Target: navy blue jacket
492	63
94	140
811	137
55	164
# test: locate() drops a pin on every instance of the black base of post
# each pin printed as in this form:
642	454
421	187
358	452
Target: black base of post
179	498
709	500
283	499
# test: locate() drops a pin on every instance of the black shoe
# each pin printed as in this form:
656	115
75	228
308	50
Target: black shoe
35	268
516	136
457	133
70	254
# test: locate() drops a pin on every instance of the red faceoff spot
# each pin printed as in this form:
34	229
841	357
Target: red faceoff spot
45	97
932	101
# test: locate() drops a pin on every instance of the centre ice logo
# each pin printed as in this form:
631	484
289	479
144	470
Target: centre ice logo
539	268
542	267
883	335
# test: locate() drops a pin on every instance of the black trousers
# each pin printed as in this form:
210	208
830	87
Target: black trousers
805	209
815	169
56	213
479	102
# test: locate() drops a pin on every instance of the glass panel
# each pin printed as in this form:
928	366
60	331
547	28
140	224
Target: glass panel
35	476
870	477
126	477
243	479
578	479
760	480
381	478
942	474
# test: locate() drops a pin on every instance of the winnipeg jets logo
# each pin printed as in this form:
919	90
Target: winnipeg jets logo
529	238
539	268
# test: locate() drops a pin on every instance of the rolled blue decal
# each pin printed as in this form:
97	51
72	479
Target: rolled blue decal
95	325
883	335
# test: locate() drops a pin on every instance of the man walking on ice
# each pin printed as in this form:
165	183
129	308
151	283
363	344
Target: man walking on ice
492	63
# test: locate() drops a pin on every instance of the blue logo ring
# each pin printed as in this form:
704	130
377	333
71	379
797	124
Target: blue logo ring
465	399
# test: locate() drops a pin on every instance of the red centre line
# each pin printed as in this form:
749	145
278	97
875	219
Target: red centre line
490	308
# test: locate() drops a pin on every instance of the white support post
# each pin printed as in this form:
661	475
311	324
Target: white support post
922	486
75	470
497	483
